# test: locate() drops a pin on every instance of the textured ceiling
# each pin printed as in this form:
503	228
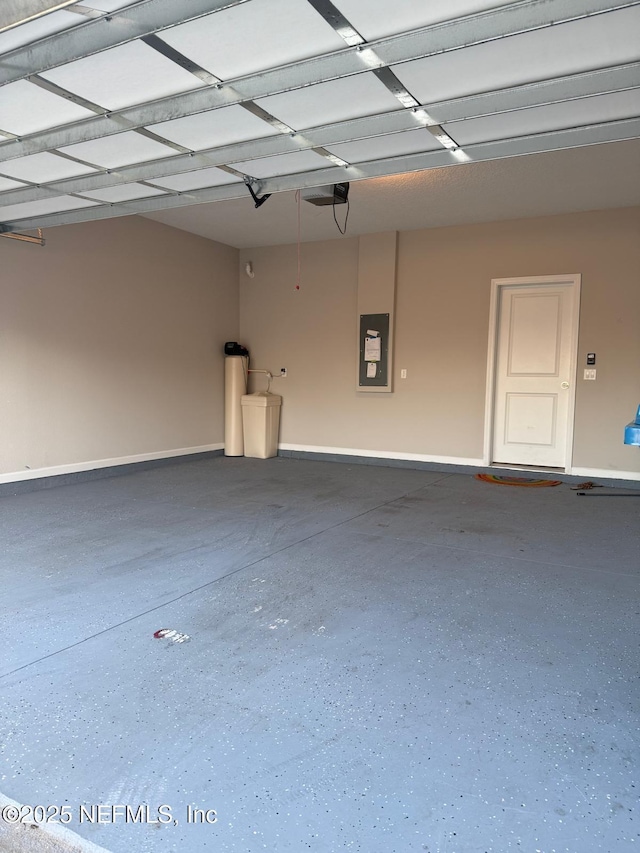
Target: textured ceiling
112	107
591	178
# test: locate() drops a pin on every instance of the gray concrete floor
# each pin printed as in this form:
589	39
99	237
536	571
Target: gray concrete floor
380	660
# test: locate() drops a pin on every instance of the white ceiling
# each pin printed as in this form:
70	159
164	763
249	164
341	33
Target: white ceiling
169	108
587	178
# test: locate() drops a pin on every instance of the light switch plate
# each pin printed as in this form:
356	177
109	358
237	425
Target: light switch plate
403	374
590	374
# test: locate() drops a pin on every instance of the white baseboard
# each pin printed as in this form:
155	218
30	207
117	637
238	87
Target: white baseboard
610	473
91	465
382	454
593	473
72	468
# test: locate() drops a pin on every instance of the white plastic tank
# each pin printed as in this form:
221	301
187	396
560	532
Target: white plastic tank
261	424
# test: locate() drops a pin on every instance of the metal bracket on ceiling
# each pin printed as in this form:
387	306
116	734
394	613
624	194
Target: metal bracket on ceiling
258	200
25	238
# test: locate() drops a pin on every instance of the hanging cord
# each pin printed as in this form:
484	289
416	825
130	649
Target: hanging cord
346	219
298	201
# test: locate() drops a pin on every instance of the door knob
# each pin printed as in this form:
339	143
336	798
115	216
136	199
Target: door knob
564	385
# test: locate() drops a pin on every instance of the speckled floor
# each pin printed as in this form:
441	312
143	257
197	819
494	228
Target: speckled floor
379	660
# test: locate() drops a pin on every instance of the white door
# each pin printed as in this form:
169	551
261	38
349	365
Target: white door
535	366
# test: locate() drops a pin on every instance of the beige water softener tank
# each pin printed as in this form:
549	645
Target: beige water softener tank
235	385
261	423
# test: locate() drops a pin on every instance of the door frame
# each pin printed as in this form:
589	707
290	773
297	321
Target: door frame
497	286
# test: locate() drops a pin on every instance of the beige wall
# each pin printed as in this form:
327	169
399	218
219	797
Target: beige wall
111	339
111	344
442	316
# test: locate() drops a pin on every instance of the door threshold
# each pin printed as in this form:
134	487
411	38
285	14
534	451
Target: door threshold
536	468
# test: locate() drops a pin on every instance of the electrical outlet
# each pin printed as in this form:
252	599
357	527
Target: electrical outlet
403	374
283	372
589	374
